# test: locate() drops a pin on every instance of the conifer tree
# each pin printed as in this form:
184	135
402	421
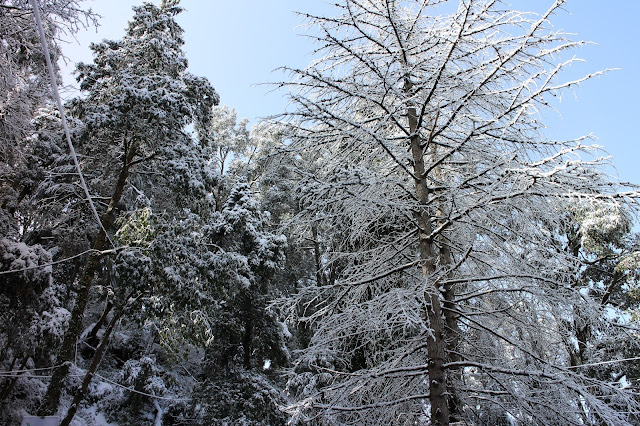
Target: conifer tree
139	99
435	174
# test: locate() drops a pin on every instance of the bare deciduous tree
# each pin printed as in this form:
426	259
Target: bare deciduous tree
443	197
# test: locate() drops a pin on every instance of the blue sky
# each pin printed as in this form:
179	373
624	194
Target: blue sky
237	44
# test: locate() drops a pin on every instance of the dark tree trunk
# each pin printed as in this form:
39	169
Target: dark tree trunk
435	338
92	337
67	349
320	279
9	387
247	337
82	390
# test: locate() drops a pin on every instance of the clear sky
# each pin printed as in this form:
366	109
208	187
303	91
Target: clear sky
237	44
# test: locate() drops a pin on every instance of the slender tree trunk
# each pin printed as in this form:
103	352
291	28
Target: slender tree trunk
67	349
320	279
247	336
11	366
82	390
435	337
9	387
92	337
452	331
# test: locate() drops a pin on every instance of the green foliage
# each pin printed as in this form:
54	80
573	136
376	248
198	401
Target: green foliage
136	228
603	228
191	235
239	398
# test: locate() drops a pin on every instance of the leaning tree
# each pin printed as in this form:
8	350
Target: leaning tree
442	199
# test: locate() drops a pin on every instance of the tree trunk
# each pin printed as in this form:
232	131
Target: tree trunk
247	336
92	337
9	387
80	393
320	279
67	349
435	336
452	331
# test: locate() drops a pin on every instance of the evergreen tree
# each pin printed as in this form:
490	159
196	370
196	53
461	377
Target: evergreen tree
139	100
24	88
246	338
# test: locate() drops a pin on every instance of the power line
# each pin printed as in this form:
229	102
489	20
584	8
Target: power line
27	370
594	364
31	376
44	265
140	393
17	374
66	259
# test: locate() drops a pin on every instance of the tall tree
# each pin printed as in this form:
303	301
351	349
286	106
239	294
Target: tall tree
600	237
139	100
217	261
442	187
31	301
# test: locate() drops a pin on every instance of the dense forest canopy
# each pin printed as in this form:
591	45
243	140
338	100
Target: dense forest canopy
403	245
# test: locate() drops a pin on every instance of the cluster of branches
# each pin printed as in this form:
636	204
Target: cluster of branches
453	294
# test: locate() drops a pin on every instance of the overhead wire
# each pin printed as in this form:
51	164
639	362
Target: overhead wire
613	361
18	374
55	262
66	259
27	370
164	398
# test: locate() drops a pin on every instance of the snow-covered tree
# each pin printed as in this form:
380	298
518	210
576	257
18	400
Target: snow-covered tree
139	101
443	198
33	318
25	101
34	314
246	342
600	237
24	85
